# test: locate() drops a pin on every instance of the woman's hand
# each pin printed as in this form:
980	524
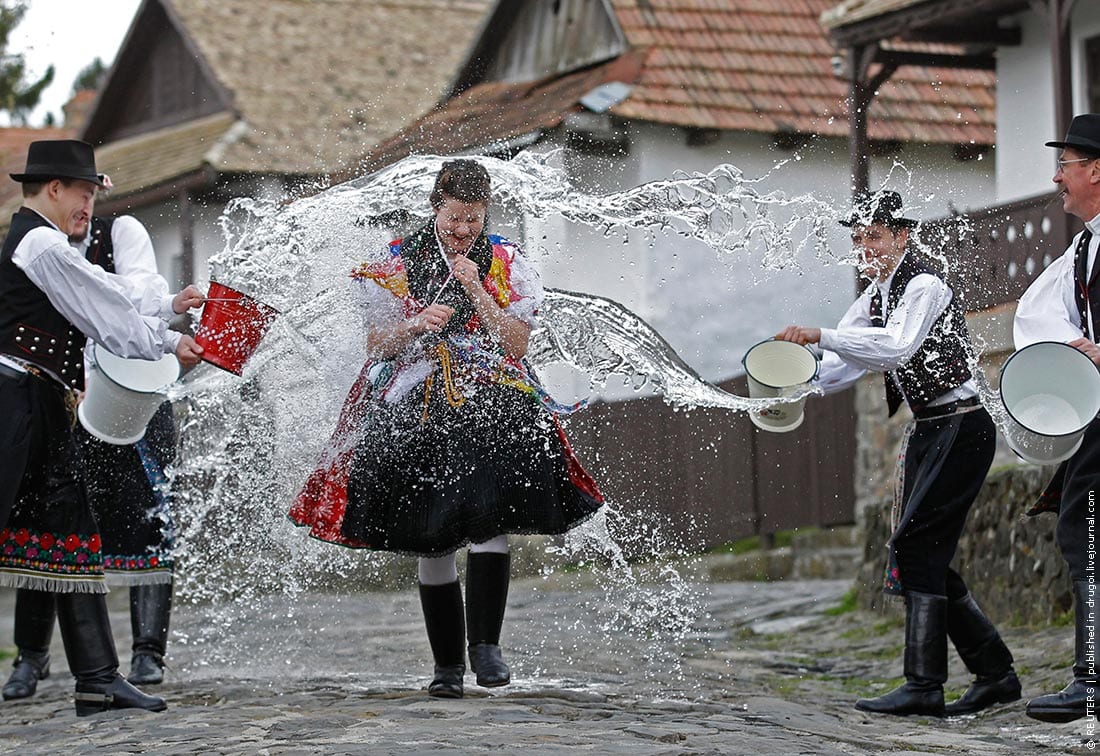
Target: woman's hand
465	272
432	318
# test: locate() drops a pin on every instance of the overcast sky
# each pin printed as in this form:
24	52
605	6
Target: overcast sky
70	34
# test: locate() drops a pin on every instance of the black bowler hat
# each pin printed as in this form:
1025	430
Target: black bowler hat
50	159
1083	135
883	208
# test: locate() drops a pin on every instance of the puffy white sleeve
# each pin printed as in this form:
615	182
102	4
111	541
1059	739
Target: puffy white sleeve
527	291
136	262
834	373
887	348
378	305
1047	310
89	297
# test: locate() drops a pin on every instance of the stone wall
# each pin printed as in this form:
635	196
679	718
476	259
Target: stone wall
1009	560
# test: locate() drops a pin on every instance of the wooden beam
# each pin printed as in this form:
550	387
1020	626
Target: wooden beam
934	13
109	205
898	58
987	35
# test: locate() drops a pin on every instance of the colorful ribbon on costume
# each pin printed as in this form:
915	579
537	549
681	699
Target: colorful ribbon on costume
495	368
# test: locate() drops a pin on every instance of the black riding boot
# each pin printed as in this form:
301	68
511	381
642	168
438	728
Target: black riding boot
150	608
925	660
86	631
34	616
442	606
1069	703
487	575
985	655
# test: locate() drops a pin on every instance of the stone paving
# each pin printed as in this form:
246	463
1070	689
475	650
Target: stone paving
762	670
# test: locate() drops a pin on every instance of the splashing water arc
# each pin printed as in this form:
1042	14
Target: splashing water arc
248	443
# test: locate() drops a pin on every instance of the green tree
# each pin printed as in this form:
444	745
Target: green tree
17	96
91	76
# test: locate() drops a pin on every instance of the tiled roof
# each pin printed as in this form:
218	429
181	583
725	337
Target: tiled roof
765	65
497	112
13	159
749	65
157	157
320	81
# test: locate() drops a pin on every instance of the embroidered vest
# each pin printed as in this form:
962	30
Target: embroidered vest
939	364
31	329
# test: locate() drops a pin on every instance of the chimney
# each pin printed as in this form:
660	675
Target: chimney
77	109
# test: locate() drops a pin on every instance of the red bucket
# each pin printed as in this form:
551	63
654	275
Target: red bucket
231	327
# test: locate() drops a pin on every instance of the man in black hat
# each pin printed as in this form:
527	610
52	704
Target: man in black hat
907	325
1063	304
125	488
51	300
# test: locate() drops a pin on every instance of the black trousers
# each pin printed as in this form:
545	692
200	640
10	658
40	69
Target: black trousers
1080	492
945	465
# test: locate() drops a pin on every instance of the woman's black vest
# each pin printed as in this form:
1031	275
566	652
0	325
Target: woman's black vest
940	363
31	329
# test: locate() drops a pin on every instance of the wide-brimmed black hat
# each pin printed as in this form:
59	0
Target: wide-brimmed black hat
1083	134
50	159
883	208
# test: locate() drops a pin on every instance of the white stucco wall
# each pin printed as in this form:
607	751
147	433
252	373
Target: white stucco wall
163	222
712	308
1025	101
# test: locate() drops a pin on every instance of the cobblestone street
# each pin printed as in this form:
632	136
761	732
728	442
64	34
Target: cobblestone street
764	671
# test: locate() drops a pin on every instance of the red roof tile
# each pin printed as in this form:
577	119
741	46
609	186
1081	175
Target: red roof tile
767	62
13	156
751	65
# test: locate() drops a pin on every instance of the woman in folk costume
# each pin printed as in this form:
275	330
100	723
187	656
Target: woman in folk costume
908	325
446	438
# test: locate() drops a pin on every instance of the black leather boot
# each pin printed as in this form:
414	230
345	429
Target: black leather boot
487	575
925	661
1069	703
985	655
86	631
34	617
150	608
442	605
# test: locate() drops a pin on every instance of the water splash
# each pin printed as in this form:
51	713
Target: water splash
248	444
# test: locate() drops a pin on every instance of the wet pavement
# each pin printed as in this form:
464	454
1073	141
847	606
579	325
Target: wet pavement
762	669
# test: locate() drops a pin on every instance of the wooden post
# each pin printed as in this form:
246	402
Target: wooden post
187	238
1061	59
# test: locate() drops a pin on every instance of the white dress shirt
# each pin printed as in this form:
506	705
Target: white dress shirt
136	263
855	347
1047	311
99	304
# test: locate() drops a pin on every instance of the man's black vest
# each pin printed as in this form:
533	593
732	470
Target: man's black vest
939	364
30	328
1085	292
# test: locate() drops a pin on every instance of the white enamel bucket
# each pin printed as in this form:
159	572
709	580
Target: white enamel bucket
1051	393
779	368
121	395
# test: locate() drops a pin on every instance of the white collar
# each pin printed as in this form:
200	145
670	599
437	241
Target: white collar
1093	226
